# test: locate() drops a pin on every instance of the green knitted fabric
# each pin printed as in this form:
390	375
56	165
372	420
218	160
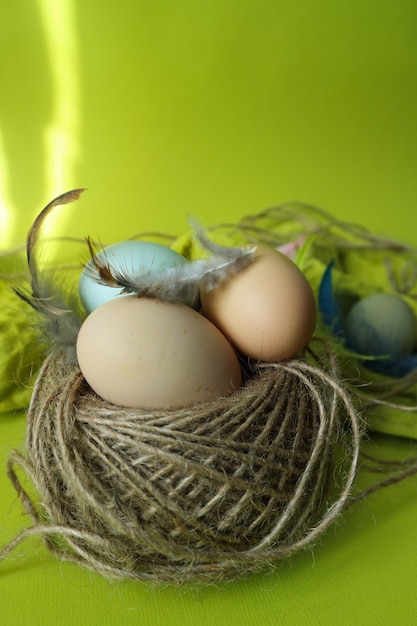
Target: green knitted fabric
20	350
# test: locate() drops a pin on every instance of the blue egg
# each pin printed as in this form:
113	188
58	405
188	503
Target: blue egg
132	258
381	324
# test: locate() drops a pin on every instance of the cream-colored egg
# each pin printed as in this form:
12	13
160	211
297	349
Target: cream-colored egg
142	352
267	310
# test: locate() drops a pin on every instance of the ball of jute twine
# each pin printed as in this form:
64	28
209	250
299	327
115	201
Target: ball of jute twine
203	493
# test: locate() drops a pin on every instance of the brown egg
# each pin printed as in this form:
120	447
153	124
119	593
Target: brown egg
142	352
267	310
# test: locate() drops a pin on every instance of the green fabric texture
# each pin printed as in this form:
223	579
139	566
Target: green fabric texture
19	354
21	349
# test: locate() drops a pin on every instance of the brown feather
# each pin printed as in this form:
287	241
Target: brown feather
34	233
59	324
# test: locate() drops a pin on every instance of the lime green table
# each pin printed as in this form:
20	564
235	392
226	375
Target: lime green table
213	109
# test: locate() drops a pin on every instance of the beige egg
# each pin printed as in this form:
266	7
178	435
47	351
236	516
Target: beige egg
267	310
143	352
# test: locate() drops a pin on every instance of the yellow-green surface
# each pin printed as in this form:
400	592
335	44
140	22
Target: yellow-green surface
216	109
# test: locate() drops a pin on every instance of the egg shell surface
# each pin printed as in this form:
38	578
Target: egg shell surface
381	324
130	257
267	310
147	353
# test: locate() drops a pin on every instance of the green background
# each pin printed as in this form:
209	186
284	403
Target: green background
215	109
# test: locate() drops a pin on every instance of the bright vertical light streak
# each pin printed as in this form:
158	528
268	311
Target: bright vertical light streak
7	214
62	135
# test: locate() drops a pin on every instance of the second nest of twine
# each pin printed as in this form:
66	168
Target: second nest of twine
199	494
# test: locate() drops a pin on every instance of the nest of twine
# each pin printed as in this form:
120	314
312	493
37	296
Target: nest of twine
199	494
203	493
